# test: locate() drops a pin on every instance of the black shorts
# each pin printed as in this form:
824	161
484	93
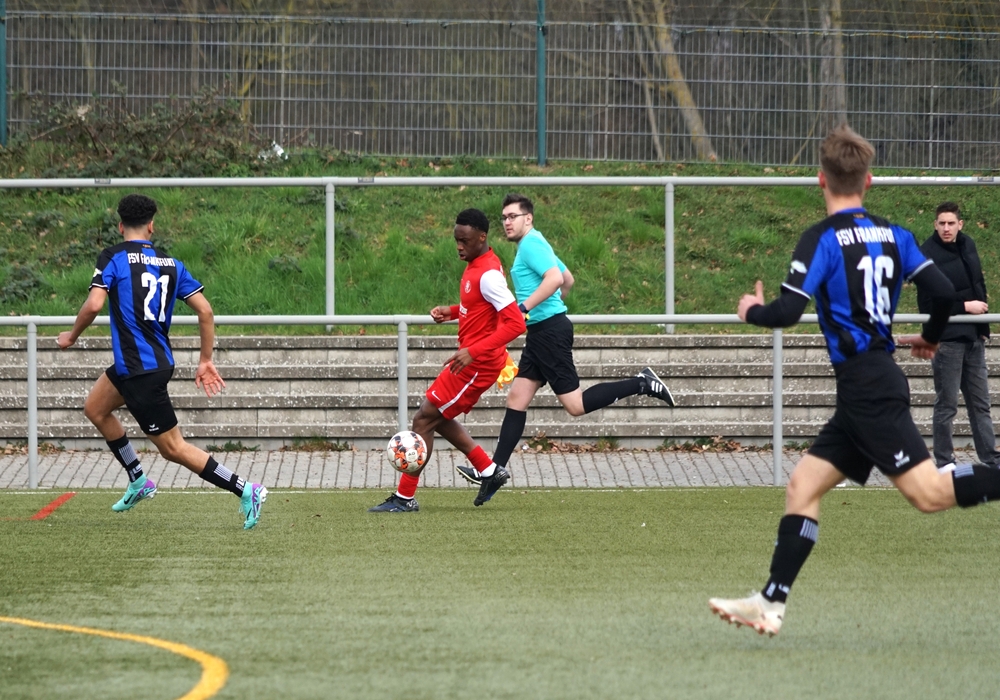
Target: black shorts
872	426
147	399
548	355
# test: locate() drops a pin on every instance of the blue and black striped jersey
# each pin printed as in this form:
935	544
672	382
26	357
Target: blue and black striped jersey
142	287
854	264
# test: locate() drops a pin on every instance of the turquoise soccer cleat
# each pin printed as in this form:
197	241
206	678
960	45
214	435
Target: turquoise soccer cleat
138	490
251	502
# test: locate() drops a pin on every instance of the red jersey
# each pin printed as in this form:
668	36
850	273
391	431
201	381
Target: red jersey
488	317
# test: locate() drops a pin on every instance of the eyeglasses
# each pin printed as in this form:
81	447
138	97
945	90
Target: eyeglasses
510	217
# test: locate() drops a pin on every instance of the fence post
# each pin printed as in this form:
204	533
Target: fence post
540	80
330	246
668	245
3	73
32	406
402	370
777	438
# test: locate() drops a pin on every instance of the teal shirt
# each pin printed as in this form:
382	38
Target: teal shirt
534	258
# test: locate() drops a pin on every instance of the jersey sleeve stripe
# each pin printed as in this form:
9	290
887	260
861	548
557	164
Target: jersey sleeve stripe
920	267
188	296
796	290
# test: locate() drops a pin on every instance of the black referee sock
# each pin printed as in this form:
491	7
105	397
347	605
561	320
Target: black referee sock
796	536
217	475
605	394
511	431
975	484
126	456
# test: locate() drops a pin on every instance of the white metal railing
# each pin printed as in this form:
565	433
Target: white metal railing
402	323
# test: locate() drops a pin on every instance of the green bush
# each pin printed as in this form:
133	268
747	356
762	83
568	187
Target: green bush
205	136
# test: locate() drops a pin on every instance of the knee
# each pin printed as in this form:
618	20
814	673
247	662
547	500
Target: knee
931	500
424	422
92	413
928	504
171	451
575	411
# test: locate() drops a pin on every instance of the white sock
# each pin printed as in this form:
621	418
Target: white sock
488	472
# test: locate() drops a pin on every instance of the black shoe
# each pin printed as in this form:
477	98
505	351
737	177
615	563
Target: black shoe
653	386
396	504
490	485
470	475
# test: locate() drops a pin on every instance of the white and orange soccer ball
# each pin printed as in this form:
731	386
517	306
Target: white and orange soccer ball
407	451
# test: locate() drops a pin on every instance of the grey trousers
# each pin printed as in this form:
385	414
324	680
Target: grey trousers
962	366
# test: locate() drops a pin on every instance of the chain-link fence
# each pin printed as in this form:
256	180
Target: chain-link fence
618	91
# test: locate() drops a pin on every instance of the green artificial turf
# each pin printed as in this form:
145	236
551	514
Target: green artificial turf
539	594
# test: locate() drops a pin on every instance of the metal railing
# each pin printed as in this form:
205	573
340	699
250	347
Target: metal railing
402	323
517	89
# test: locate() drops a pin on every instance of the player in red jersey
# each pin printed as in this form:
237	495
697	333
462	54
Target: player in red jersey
488	319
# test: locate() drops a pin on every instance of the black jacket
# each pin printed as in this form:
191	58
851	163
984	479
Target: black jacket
959	261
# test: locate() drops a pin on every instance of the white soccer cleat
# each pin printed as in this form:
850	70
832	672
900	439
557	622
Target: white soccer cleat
756	612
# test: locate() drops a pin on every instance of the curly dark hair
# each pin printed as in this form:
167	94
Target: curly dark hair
474	218
136	210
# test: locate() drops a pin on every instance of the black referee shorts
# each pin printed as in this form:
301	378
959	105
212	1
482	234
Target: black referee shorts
872	425
147	399
547	356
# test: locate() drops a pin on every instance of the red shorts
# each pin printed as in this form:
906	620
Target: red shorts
454	394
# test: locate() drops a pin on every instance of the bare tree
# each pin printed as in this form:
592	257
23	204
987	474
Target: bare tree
832	76
659	40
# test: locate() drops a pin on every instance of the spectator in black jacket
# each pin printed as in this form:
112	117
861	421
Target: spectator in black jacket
960	362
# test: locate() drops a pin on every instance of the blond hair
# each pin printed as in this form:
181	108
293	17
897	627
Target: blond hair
845	157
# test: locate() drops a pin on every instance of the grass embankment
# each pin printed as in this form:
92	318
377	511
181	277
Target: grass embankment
262	251
542	594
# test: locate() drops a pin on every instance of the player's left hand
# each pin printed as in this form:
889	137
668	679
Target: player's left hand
207	377
750	300
65	340
459	361
918	346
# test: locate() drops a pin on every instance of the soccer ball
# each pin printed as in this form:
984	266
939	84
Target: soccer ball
407	451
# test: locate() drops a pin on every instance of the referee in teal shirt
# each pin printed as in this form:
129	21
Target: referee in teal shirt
541	281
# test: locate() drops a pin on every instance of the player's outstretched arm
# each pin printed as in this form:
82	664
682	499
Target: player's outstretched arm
206	377
88	312
783	312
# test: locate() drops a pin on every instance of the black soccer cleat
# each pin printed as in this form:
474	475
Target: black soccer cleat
490	485
396	504
653	386
470	475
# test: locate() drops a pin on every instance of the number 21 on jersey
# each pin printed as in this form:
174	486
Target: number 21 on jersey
151	282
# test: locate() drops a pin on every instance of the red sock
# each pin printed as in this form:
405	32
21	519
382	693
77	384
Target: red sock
408	485
480	460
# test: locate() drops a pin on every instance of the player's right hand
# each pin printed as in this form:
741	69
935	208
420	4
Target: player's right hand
918	346
440	314
207	377
65	340
976	307
750	300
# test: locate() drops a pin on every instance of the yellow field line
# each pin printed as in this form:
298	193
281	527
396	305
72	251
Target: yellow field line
214	671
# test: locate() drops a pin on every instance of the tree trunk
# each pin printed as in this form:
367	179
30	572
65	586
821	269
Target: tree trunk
832	76
677	86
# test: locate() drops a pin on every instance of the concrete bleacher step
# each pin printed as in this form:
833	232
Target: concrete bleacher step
334	387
